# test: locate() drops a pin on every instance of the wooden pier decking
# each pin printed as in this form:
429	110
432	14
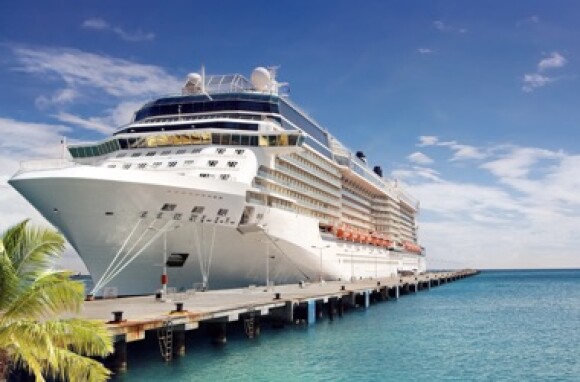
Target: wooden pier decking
128	319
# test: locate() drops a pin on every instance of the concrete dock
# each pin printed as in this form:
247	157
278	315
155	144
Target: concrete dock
128	319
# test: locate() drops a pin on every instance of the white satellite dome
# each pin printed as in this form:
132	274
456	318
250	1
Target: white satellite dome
261	79
194	79
193	84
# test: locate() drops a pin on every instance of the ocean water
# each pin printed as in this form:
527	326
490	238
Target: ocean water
498	326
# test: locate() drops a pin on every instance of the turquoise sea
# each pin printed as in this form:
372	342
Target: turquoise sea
498	326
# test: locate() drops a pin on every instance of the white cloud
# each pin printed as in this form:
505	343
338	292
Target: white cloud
122	84
123	113
134	36
424	51
556	60
527	216
461	152
427	140
60	97
81	70
101	25
518	161
91	123
114	118
534	19
95	23
427	173
466	152
443	27
419	158
23	141
534	81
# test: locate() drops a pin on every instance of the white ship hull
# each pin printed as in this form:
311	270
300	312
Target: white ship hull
102	214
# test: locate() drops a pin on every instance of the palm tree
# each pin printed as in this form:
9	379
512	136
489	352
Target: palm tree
33	297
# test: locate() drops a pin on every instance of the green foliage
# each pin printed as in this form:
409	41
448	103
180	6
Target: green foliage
32	297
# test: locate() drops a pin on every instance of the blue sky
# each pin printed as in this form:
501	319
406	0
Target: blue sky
473	105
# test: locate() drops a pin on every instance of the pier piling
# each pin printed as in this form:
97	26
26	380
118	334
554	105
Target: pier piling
179	340
311	315
218	332
117	361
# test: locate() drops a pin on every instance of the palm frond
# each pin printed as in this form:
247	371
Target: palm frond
8	282
69	366
27	358
86	337
32	249
52	293
31	296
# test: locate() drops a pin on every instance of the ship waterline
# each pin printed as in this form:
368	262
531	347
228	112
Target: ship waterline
224	203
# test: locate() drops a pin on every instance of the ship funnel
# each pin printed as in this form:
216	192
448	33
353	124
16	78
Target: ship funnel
360	155
378	170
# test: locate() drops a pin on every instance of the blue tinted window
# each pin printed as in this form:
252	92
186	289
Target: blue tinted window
202	104
302	123
190	126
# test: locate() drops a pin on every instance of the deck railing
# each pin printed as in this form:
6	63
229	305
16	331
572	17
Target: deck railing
46	164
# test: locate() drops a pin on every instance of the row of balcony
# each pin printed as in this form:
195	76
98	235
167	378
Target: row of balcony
335	181
335	201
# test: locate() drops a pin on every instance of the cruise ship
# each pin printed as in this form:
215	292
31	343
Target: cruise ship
227	184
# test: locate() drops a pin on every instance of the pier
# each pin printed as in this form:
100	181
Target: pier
129	318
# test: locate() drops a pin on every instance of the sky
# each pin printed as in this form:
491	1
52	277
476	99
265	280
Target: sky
473	106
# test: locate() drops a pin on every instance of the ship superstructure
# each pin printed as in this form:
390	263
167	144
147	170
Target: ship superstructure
227	184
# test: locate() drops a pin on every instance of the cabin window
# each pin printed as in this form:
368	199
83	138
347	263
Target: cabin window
212	163
198	209
232	164
168	207
222	212
172	164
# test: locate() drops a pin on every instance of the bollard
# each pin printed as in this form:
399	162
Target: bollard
117	317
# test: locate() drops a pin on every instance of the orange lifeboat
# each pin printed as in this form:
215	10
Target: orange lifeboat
347	234
340	233
412	247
